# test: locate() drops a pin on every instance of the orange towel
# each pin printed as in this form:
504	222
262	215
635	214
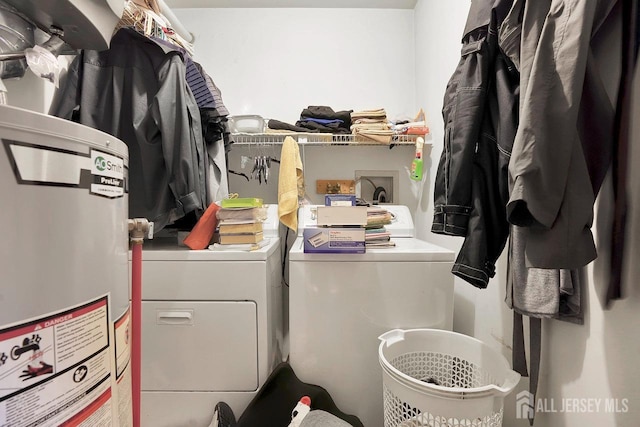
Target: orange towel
202	232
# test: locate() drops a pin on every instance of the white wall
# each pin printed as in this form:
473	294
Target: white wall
595	360
275	62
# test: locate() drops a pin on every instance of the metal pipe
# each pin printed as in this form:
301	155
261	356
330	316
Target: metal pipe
138	228
11	56
136	326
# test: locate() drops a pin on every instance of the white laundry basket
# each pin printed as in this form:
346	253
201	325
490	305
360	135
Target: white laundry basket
436	378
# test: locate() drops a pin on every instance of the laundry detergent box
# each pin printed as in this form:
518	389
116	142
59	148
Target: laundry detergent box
332	240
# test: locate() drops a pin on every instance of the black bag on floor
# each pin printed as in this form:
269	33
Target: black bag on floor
275	400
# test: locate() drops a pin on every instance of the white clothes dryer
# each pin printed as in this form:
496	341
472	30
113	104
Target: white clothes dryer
212	328
340	303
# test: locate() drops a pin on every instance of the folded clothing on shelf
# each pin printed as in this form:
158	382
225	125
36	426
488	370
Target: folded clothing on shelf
282	126
363	114
324	119
372	125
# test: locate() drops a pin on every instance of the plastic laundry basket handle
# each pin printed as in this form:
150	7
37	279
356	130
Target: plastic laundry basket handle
392	336
513	378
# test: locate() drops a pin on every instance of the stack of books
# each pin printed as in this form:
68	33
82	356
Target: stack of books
240	221
376	236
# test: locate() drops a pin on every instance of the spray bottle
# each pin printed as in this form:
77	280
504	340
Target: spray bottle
416	165
300	411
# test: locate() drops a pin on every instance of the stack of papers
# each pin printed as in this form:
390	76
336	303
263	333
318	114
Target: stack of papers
243	247
378	238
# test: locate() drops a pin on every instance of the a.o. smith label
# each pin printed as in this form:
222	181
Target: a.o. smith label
107	172
104	164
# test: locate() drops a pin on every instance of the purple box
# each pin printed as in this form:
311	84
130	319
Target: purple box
340	200
332	240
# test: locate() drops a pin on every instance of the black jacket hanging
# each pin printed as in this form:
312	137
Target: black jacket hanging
137	92
480	115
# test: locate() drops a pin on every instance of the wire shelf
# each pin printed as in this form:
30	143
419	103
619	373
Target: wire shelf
319	139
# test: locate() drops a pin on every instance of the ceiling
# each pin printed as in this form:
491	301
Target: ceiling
328	4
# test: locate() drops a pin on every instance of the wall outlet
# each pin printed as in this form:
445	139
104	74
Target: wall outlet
383	184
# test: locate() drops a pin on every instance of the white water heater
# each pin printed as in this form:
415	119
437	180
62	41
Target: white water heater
64	295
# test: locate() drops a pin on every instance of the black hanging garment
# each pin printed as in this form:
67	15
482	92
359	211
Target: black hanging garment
480	114
137	91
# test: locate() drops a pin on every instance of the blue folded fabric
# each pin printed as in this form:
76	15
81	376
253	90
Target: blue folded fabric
321	121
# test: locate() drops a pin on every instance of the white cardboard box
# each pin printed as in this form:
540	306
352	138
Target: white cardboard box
342	215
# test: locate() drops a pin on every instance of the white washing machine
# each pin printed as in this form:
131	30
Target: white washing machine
212	328
340	303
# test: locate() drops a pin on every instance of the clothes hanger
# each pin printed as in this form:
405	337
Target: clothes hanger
146	18
244	175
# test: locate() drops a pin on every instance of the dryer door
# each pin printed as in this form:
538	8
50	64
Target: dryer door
195	346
